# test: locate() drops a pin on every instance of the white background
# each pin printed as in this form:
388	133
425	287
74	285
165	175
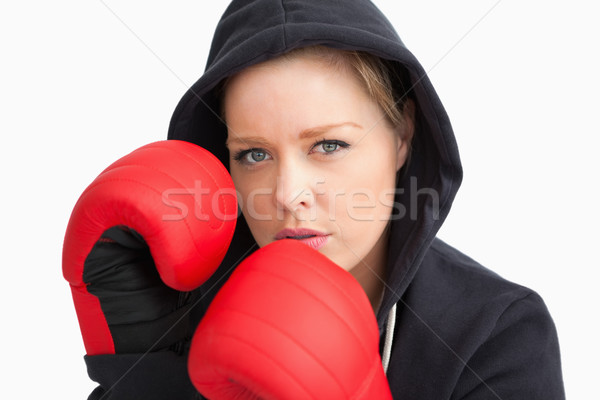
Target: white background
83	83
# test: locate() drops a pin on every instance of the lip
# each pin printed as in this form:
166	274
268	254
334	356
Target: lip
310	237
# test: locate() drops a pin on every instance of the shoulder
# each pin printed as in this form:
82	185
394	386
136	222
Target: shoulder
454	288
461	326
452	273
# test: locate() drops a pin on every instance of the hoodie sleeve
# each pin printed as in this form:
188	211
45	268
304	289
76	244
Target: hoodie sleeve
160	375
519	360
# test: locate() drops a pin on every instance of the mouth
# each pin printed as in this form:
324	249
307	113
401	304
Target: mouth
312	238
300	237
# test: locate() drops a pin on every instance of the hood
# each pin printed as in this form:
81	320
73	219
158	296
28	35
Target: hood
253	31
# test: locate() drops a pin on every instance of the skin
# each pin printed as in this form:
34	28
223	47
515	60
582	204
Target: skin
310	149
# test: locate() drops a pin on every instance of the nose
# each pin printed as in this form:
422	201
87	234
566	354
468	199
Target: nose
294	191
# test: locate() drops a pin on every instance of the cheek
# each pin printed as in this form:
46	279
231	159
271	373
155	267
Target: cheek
360	195
367	203
372	179
249	187
255	200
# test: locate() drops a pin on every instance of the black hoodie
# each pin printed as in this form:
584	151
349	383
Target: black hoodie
461	331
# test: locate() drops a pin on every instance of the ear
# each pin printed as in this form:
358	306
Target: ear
406	131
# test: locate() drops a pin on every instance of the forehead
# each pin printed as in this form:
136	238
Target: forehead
293	67
286	86
327	60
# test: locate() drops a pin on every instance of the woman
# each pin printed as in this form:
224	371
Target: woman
460	330
334	136
325	169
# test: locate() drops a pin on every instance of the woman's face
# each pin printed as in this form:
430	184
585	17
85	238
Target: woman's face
312	157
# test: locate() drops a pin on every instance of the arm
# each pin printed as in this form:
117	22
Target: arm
156	375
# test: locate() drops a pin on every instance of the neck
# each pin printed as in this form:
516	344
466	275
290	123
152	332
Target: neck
370	271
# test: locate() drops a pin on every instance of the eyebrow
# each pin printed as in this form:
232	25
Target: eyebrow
319	130
305	134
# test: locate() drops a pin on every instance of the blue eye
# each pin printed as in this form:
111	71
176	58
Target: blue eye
329	146
257	155
251	156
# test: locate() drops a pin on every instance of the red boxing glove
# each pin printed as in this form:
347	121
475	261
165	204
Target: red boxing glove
153	224
288	324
